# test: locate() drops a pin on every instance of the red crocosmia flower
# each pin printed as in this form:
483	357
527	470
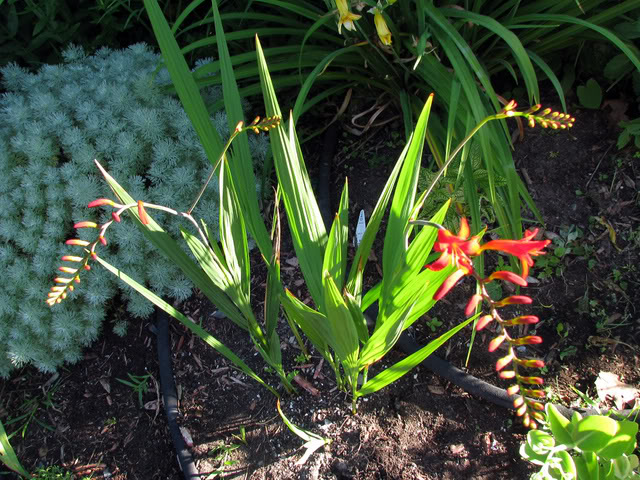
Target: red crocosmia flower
522	249
456	250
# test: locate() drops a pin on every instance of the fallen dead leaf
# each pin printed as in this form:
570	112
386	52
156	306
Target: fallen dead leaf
609	386
436	389
304	383
105	384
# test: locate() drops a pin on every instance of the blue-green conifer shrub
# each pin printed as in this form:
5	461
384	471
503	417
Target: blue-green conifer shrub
112	107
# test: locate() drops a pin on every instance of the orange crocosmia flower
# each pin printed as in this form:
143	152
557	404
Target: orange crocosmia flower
523	249
456	249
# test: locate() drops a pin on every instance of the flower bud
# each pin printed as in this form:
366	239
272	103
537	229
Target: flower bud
514	300
503	362
522	320
483	322
101	201
529	392
531	380
473	303
71	258
508	277
142	213
531	363
76	241
529	340
86	225
68	270
496	342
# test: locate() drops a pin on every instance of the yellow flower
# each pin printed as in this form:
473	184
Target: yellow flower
382	28
346	17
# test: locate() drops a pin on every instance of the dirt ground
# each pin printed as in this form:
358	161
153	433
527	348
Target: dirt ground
421	427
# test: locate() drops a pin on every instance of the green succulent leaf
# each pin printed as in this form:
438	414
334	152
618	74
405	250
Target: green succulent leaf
565	468
593	433
530	455
540	441
560	426
624	441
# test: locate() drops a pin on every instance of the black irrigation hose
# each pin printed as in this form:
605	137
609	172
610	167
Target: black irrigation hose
170	397
491	393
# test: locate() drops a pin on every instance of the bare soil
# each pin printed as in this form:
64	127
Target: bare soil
420	427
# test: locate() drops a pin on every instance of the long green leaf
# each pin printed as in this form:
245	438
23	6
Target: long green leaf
195	328
512	41
335	256
578	25
305	222
274	288
344	337
233	238
313	323
354	282
395	241
401	368
387	332
8	455
241	165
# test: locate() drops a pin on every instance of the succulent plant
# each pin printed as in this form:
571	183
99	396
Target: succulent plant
114	106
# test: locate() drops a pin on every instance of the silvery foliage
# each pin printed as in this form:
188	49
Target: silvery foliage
110	106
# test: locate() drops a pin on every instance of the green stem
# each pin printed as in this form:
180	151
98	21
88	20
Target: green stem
213	170
457	150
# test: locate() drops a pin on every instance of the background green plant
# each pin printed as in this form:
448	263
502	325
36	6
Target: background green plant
36	32
481	42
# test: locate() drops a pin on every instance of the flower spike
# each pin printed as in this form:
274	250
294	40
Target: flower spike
457	251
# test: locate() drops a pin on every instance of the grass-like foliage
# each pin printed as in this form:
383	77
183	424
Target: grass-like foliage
403	51
53	124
